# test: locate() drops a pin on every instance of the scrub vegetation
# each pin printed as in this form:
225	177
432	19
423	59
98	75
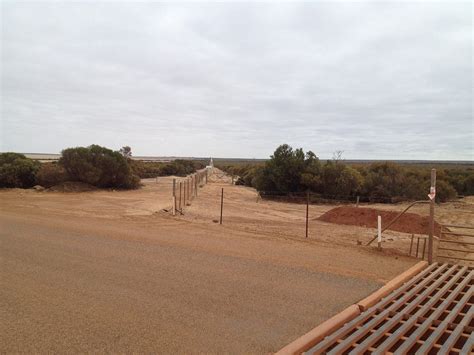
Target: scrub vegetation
291	171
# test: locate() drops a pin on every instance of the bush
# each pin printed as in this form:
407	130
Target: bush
50	174
16	170
146	169
444	191
98	166
290	171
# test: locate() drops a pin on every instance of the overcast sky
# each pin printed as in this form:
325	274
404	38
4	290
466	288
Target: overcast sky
378	81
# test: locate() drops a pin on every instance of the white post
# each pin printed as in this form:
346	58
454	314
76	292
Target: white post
379	231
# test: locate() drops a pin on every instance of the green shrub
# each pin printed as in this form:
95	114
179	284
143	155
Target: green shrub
16	170
50	174
98	166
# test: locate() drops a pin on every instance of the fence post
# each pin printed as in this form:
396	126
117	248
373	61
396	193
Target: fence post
206	175
184	193
196	185
192	187
189	194
180	188
379	231
417	246
174	197
432	207
357	203
307	212
411	243
424	247
222	204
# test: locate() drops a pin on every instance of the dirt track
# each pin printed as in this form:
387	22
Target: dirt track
109	271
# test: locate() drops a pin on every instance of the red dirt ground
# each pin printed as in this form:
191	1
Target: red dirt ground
367	217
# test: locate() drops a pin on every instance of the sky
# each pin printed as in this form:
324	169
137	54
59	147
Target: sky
376	80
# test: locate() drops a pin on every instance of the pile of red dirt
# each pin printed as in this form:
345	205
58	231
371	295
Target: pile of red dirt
367	217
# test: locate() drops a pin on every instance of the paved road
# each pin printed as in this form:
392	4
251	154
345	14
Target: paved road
81	289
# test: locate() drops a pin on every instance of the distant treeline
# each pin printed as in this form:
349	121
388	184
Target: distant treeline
94	165
291	171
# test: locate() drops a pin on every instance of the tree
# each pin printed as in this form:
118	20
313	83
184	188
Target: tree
126	151
98	166
16	170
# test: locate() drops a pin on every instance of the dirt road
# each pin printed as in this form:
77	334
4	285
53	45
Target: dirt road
104	272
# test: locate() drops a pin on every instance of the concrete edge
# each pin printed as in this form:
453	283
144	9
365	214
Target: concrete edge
318	333
393	284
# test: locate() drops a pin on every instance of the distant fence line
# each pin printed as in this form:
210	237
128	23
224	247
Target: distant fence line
300	197
186	189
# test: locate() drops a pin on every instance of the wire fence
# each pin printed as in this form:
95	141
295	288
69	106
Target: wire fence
186	189
320	198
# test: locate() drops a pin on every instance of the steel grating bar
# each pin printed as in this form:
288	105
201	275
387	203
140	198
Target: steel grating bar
442	327
409	308
394	307
436	317
453	338
424	326
469	346
321	346
383	315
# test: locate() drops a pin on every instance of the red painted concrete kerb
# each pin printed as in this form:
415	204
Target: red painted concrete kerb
314	336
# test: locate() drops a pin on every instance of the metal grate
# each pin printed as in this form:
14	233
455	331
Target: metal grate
432	313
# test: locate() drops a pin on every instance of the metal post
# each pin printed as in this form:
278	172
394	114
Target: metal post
174	197
432	207
411	243
180	188
307	212
206	175
417	245
379	231
222	204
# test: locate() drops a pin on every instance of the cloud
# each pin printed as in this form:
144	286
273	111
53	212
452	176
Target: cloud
379	81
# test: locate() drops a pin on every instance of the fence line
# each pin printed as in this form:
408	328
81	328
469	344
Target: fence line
188	189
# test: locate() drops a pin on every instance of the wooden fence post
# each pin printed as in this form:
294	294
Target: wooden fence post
180	206
424	247
184	193
379	231
432	196
357	203
196	185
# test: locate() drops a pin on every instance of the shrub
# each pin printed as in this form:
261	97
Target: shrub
16	170
98	166
50	174
444	191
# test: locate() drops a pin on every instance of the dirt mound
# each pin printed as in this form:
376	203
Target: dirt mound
367	217
72	186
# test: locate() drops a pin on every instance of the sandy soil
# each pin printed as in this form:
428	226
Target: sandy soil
111	271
